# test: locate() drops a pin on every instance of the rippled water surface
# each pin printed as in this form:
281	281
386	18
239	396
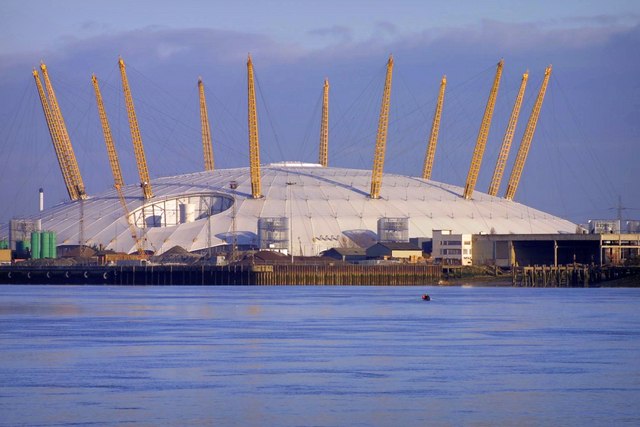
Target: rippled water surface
318	356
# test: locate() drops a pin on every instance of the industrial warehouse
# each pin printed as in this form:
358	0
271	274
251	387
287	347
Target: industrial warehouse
307	209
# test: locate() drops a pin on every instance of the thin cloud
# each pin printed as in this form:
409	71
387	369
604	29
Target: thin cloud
94	26
155	43
490	37
613	20
386	27
338	32
510	37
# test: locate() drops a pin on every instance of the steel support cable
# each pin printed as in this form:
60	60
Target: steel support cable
22	117
344	117
162	119
306	148
270	120
597	164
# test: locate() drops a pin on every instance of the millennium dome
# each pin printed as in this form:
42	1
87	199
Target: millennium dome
293	207
308	209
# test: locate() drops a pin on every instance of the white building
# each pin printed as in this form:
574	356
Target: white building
451	249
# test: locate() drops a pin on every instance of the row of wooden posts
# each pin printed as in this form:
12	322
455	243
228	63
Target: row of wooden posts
568	275
347	275
551	276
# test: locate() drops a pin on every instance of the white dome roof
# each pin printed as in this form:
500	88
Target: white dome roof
327	206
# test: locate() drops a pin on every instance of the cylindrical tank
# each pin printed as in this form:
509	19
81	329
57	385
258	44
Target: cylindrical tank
187	213
45	253
36	246
53	248
4	244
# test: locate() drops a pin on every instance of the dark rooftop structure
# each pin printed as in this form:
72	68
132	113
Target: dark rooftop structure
394	250
346	254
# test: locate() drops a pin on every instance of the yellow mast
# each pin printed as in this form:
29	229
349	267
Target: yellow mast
254	146
206	130
435	128
55	138
65	142
525	144
483	134
508	137
324	127
108	138
115	164
138	149
381	138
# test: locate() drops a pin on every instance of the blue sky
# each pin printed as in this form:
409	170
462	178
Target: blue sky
584	154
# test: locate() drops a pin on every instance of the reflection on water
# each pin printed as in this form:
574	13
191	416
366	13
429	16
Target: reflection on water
322	356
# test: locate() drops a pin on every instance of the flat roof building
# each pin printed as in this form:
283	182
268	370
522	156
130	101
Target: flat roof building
506	250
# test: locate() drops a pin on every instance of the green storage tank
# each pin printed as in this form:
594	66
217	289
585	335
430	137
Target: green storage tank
46	243
53	248
36	246
4	244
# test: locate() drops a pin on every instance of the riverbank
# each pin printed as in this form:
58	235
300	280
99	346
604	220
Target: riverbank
304	275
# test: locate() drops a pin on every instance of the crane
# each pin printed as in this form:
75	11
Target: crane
483	135
118	182
435	128
508	137
254	145
525	143
64	141
138	149
55	138
323	156
381	138
207	148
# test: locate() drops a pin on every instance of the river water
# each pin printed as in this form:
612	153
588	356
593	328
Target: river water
319	356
